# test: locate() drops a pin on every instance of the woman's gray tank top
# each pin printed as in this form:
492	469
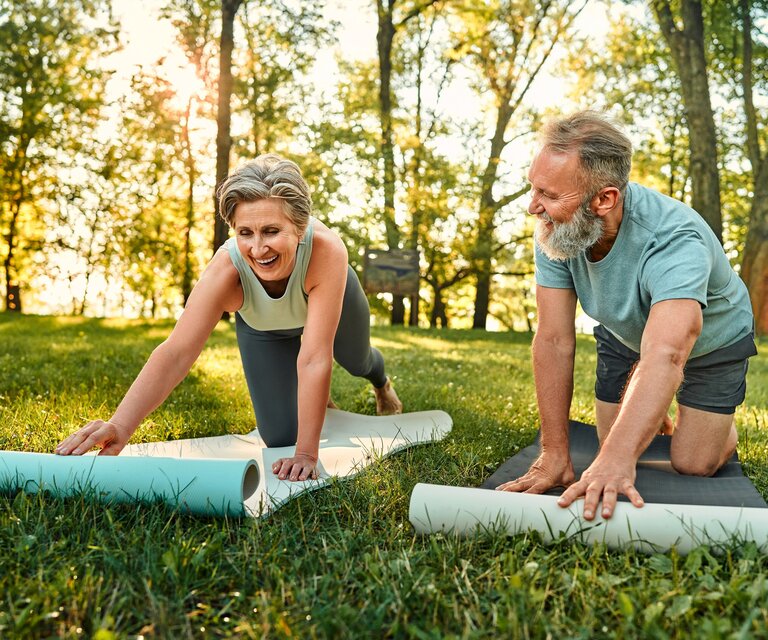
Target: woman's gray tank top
259	310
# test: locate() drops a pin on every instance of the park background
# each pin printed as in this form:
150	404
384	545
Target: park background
414	122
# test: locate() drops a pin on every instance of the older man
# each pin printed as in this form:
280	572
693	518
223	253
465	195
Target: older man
674	317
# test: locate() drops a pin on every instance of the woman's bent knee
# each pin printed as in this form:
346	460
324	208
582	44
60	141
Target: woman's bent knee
277	430
272	439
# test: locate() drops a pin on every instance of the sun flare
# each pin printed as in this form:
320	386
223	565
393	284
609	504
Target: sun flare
184	79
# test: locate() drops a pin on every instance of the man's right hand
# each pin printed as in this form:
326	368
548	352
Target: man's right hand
111	438
547	471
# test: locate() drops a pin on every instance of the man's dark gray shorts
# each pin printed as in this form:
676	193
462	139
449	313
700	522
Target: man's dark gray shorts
715	382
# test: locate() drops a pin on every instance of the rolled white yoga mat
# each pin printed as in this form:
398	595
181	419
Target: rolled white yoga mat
681	511
200	486
654	527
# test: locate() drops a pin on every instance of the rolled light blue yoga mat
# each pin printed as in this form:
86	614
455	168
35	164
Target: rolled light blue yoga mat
200	486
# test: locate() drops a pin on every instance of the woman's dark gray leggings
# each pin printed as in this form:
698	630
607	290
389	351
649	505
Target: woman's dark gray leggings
269	361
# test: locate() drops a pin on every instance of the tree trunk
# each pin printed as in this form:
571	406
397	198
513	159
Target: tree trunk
189	161
673	158
84	301
438	317
413	315
486	219
384	39
89	266
12	289
224	114
416	178
688	53
754	265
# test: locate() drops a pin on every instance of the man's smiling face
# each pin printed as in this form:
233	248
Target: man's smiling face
567	225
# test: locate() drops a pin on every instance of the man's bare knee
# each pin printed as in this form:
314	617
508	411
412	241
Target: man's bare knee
703	441
695	466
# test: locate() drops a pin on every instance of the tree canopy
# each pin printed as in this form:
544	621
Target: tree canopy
417	137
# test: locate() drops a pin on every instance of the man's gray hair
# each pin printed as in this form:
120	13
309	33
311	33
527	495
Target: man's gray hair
604	150
267	176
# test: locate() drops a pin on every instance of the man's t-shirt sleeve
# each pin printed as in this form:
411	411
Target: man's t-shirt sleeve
551	273
677	268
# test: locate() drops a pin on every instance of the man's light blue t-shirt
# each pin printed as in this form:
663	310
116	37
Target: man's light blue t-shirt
664	251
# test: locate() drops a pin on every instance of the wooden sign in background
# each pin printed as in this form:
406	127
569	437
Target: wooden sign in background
393	271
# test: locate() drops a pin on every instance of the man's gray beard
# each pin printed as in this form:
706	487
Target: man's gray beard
567	240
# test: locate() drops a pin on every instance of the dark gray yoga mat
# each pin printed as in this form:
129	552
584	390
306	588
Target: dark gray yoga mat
656	481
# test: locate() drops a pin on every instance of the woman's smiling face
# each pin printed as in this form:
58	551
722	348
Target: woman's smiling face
266	238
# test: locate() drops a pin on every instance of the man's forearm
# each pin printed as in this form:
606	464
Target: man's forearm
646	400
553	374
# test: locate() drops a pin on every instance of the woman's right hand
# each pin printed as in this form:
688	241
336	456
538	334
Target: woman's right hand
111	438
296	469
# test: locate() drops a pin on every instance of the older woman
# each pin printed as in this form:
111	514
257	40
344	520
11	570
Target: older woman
299	305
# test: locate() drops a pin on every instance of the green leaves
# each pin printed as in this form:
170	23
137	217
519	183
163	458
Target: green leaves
52	87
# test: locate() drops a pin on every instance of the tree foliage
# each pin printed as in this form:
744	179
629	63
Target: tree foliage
684	33
507	42
637	85
418	145
754	80
51	90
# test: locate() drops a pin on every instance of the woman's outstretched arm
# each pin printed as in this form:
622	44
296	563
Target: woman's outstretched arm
217	291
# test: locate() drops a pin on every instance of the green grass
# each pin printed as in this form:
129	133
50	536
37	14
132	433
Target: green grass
342	562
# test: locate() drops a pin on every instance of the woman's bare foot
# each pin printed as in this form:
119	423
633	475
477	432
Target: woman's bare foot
331	404
387	402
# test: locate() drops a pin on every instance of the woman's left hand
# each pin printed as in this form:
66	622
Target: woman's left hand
299	467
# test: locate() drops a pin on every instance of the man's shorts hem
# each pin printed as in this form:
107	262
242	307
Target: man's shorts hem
715	382
726	411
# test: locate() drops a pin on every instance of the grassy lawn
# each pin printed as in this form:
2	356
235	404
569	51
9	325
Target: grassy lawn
342	562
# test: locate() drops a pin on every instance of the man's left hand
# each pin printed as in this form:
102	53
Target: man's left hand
604	479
